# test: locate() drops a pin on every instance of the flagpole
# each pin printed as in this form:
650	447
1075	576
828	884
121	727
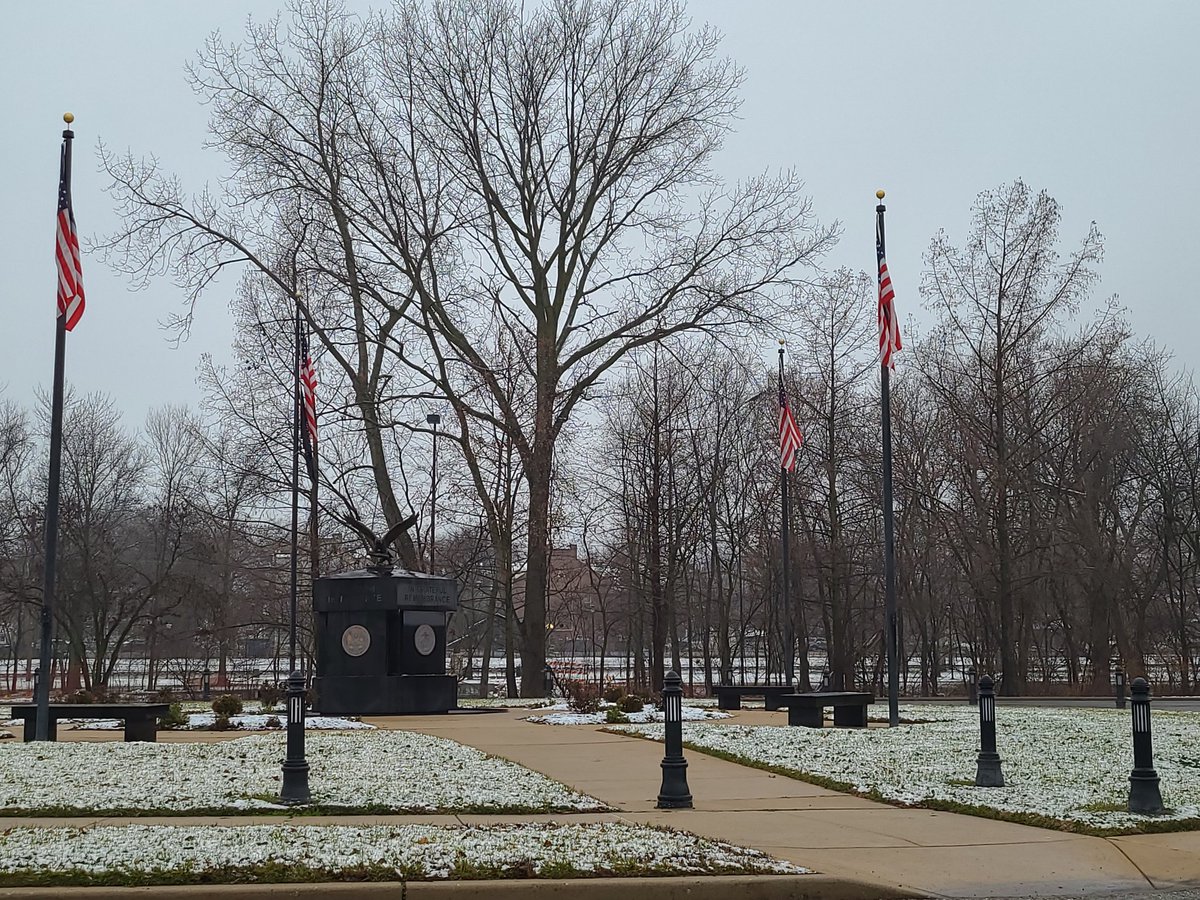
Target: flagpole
294	789
889	546
42	730
788	660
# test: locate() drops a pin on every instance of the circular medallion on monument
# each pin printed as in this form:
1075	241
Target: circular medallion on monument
424	639
356	640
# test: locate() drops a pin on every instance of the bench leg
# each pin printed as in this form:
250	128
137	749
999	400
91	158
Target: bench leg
850	717
728	701
141	730
809	717
31	729
771	702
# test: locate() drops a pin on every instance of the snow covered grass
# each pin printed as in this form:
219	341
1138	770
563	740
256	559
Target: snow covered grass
243	722
503	702
369	772
161	854
561	714
1063	767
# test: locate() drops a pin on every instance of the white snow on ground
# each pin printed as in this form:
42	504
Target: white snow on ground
382	770
563	715
1064	763
245	722
428	851
503	702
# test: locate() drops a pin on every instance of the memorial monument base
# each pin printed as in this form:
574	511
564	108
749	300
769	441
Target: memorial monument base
385	695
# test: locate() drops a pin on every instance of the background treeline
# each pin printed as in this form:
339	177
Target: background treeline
511	216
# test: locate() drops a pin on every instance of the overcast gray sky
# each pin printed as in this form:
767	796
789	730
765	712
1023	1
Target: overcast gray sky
933	101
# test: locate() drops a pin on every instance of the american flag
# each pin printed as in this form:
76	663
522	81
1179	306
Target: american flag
70	273
889	328
789	435
308	394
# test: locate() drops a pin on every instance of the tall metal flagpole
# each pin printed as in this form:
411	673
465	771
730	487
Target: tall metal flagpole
789	662
295	768
42	730
889	545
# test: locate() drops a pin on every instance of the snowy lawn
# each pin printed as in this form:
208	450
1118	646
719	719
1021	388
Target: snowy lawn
243	722
185	854
371	771
1066	765
503	702
561	714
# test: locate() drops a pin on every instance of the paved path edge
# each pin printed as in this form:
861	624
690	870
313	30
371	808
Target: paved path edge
701	887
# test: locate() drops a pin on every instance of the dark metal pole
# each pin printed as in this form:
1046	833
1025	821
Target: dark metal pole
433	419
789	638
295	767
674	792
42	689
987	768
1144	794
889	545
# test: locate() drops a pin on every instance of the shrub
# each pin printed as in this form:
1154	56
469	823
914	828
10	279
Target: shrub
221	723
631	703
269	695
273	722
613	693
165	695
614	716
174	718
80	696
583	696
227	705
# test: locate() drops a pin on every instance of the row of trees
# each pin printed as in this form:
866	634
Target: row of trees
508	215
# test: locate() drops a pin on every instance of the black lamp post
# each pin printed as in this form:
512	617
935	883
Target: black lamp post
433	419
1119	687
987	770
295	766
674	793
972	687
1144	795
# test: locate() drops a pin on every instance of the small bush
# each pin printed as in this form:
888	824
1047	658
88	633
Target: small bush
227	705
221	723
613	693
273	722
164	695
631	703
614	716
269	696
174	718
80	696
583	696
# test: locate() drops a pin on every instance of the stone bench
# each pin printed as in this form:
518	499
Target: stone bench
849	708
141	719
729	696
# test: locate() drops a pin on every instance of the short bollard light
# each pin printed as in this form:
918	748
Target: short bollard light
972	687
1119	688
205	686
295	766
1144	795
674	793
987	770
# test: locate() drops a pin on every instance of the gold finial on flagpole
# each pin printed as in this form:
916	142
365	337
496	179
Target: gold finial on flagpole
68	117
879	193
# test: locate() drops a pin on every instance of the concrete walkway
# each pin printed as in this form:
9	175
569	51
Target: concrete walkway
935	853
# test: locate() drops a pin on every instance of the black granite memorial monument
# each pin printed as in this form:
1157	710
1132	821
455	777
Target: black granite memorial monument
381	642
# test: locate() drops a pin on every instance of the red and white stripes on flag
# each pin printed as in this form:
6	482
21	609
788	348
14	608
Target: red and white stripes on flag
790	438
70	272
308	397
889	328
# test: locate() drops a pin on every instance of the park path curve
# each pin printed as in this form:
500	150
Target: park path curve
936	853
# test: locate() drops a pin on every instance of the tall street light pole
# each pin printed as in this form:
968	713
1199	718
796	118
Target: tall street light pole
433	419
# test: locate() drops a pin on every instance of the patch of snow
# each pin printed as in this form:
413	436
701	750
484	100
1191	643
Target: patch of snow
433	851
561	714
245	722
383	770
1064	763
